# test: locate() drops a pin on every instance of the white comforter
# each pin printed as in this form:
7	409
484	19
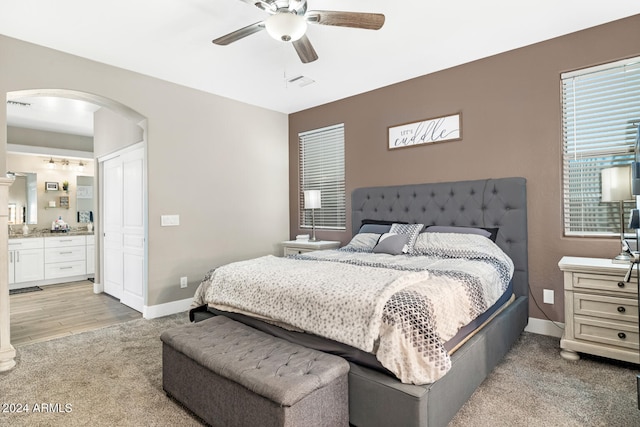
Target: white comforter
401	308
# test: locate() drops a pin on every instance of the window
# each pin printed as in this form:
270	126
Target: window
322	168
600	112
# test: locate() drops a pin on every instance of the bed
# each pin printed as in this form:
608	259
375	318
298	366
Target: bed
395	392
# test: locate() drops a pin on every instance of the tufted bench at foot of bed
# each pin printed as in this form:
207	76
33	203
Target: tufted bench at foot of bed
230	374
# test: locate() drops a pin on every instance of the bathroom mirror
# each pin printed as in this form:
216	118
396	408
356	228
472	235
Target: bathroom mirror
23	198
84	199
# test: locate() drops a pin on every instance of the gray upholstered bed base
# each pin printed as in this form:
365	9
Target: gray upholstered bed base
378	400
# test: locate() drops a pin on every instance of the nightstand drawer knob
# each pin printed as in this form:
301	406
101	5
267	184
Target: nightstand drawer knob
621	309
621	284
622	335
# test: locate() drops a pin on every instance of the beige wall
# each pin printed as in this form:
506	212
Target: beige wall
39	138
220	164
511	121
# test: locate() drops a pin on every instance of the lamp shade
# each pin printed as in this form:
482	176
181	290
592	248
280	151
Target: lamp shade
286	26
616	184
312	199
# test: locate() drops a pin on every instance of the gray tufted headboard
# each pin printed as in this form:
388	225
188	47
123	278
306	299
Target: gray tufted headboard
491	203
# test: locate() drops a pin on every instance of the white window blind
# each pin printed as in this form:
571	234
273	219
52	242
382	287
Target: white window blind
322	168
600	107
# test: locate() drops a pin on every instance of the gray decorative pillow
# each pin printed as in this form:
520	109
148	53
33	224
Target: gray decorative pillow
362	242
412	230
392	244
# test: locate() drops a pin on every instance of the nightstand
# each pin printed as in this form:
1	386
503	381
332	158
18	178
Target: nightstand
294	247
600	309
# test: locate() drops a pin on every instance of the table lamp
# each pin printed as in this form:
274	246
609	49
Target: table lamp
616	187
313	200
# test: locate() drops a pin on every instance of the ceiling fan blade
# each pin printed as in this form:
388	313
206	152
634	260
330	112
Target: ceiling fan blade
367	21
239	34
305	50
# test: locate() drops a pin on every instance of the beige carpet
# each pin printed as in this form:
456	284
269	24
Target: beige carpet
112	377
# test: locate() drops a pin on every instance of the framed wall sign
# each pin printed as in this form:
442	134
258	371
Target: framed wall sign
51	186
429	131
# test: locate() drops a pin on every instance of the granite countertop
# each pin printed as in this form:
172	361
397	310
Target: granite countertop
47	233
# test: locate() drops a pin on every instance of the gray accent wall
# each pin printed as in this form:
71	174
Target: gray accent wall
220	164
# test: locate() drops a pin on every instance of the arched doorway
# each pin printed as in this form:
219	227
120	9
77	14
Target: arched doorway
128	115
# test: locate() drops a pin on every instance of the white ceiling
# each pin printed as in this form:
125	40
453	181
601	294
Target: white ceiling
171	40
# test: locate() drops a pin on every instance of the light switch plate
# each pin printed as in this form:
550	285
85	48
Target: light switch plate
169	220
547	296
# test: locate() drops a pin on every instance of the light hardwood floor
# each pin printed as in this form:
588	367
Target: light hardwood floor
61	310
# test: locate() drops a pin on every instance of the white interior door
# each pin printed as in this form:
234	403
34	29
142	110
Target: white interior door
112	226
133	229
124	212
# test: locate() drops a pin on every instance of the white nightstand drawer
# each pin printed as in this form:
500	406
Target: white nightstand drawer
65	269
295	251
73	253
597	282
613	308
295	247
619	334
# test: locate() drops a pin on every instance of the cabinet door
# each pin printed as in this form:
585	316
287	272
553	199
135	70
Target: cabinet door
91	259
12	276
29	265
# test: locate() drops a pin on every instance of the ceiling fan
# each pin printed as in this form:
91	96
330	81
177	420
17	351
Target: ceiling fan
288	23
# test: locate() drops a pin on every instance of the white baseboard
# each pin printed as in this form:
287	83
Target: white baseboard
545	327
173	307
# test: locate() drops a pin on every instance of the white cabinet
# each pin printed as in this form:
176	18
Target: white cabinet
26	260
65	256
601	309
91	255
56	258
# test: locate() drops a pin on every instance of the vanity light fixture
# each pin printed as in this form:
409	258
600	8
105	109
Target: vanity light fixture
66	164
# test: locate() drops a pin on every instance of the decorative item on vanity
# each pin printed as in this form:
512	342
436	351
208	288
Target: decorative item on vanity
90	227
65	185
616	187
25	230
313	200
59	226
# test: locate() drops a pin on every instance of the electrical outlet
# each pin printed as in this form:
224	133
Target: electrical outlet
183	282
548	296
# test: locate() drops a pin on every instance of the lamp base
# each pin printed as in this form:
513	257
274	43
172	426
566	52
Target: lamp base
622	258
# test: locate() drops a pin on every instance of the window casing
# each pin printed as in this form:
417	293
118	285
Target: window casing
321	167
600	110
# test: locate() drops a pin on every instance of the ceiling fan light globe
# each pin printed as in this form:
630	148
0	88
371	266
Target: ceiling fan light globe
286	26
